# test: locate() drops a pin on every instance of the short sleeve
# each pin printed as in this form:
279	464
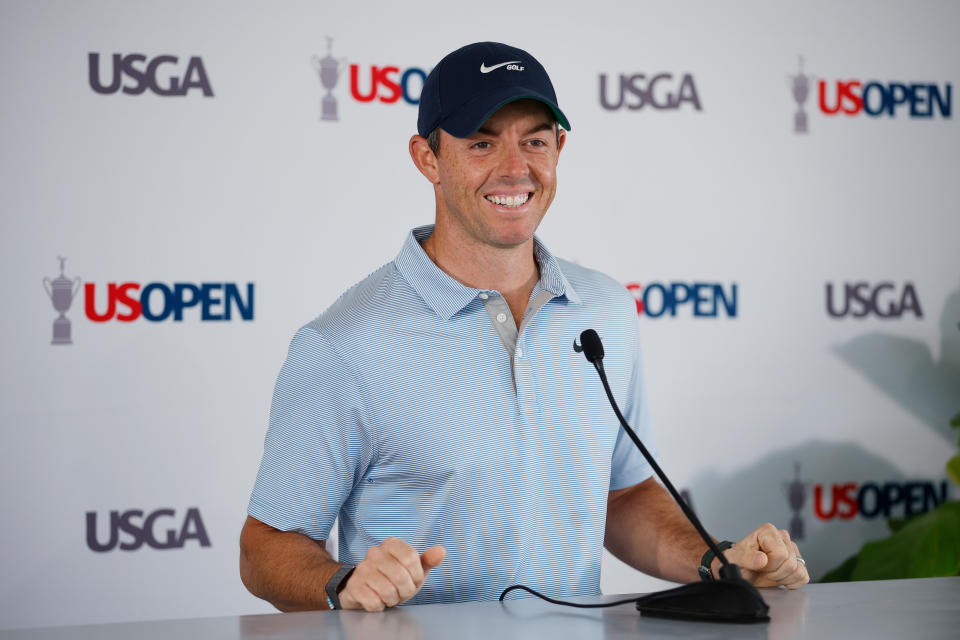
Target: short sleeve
316	448
628	466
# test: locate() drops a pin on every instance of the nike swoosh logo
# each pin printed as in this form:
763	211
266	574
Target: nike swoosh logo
485	69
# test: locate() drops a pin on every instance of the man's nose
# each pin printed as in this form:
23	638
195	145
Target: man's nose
512	162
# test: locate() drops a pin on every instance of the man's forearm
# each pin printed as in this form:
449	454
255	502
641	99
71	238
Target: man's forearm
287	569
647	530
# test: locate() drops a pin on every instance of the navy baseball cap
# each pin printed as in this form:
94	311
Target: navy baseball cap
470	84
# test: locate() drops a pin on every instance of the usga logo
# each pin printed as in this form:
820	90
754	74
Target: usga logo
658	91
139	528
883	300
145	73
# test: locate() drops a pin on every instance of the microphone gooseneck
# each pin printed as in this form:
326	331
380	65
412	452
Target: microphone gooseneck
592	349
731	598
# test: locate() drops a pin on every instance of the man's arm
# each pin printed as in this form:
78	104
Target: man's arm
287	569
290	570
647	530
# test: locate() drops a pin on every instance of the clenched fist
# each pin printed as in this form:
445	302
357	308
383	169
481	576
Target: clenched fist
390	573
769	558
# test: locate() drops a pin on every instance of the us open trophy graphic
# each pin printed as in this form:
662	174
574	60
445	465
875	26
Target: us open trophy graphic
796	492
329	69
61	292
800	85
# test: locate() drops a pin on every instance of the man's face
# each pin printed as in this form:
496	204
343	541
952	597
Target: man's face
496	185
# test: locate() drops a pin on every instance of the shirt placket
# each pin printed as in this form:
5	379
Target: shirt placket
514	341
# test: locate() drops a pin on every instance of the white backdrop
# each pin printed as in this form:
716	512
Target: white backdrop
249	185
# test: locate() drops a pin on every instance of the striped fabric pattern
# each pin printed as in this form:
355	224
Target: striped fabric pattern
399	411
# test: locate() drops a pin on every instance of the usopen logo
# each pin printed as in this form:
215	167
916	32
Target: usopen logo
382	83
700	299
127	301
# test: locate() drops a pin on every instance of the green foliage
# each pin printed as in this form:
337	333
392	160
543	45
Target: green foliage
895	524
953	464
843	573
953	469
927	546
924	546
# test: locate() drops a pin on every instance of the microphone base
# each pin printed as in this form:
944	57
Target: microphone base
735	601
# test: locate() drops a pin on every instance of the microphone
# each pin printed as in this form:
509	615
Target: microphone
592	348
729	599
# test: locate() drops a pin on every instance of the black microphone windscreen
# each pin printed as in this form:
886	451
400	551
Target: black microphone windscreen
592	346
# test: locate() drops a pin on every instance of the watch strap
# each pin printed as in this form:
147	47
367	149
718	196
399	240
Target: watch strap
337	583
706	573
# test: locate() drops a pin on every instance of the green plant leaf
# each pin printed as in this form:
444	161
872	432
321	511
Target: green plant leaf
895	524
955	421
927	546
843	572
953	469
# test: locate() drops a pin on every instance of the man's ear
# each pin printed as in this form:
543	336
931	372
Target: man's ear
424	157
561	139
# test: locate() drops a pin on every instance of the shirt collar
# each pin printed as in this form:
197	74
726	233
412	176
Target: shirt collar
446	296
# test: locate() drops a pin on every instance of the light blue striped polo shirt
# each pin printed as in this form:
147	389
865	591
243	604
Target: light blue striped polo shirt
406	410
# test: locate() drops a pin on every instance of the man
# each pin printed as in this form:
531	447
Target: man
438	409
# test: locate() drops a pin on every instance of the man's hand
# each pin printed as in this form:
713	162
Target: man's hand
389	574
768	558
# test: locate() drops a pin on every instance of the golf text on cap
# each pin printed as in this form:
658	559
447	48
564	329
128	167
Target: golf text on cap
512	65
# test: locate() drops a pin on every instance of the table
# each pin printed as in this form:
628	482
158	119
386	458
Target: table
915	609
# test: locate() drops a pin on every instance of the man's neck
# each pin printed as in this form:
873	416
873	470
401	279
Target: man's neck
513	271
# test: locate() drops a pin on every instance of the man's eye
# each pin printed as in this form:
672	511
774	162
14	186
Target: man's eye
538	143
480	145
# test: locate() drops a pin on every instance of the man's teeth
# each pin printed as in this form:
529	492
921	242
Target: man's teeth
509	201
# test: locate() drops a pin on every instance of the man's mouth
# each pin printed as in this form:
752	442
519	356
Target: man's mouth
509	201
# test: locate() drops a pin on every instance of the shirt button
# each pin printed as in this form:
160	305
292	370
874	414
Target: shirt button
484	296
501	317
519	353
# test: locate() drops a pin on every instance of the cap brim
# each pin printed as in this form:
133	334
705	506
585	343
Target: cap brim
471	116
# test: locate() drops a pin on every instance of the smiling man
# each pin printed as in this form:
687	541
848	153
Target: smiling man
438	409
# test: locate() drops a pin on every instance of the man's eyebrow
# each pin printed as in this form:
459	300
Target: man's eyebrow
544	126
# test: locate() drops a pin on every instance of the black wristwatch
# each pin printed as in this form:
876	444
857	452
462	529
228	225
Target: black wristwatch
706	573
337	583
